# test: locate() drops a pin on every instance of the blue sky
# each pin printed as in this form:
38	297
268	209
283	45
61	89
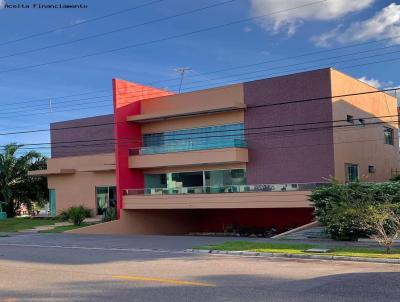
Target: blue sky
25	94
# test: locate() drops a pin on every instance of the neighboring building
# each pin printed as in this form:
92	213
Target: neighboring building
245	154
81	170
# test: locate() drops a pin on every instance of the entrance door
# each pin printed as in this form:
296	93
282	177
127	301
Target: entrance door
52	200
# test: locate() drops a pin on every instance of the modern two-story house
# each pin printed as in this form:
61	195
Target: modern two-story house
245	154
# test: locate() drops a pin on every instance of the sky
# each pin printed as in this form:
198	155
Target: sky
71	76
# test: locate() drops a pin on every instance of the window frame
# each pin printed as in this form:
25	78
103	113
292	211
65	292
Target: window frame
388	140
347	174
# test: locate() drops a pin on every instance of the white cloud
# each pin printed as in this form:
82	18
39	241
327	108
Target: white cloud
2	3
247	29
384	24
377	84
372	82
77	21
290	19
324	40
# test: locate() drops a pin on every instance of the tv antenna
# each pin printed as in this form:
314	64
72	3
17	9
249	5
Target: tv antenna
181	71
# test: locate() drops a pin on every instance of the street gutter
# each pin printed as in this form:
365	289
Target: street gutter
294	256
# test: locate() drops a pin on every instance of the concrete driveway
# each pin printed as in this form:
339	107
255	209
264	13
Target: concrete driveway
60	267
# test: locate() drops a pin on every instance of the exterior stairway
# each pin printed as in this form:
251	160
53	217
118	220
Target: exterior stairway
316	232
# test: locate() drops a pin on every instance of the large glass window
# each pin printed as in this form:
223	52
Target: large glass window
215	137
106	197
194	182
225	177
185	179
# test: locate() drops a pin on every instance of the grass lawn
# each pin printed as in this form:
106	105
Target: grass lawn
17	224
62	229
294	248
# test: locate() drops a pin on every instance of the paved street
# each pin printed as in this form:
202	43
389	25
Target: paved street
60	267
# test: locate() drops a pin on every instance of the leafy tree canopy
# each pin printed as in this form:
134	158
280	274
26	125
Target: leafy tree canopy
16	187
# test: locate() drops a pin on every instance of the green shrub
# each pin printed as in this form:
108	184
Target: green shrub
342	208
63	216
109	214
395	178
88	212
76	214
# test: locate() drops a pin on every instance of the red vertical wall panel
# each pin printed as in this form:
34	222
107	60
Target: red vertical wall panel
127	99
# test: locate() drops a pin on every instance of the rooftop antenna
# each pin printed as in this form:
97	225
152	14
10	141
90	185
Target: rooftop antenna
181	71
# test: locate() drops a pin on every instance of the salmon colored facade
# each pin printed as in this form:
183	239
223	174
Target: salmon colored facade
245	154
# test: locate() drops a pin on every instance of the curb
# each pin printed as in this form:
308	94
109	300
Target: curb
294	256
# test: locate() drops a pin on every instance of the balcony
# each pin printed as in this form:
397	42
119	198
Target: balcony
233	196
189	152
190	145
225	189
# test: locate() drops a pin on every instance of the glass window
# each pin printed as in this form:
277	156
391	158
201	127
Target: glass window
350	119
388	134
106	197
222	136
155	180
225	177
185	179
112	197
351	172
218	180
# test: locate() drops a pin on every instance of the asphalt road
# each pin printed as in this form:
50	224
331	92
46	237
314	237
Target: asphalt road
148	268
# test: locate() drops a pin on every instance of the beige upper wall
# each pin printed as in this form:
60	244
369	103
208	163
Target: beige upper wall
363	145
79	188
195	122
192	158
87	162
197	101
206	167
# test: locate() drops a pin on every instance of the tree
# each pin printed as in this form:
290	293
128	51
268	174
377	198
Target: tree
384	222
340	208
345	209
16	187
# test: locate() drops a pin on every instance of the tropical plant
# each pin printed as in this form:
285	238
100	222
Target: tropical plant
63	216
16	187
78	214
109	214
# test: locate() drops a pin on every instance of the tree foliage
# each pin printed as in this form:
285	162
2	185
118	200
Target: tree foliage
384	221
344	209
16	187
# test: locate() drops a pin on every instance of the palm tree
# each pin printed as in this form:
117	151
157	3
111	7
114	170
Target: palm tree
16	187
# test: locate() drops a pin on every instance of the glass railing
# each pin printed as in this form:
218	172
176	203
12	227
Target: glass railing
191	145
226	189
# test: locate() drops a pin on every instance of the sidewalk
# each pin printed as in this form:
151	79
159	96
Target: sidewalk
38	229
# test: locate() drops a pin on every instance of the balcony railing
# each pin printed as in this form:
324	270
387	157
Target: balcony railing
225	189
191	145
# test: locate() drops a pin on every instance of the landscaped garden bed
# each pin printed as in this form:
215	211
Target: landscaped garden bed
298	248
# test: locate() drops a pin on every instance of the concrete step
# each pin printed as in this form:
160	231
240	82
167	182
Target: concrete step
312	233
44	228
29	231
93	219
65	223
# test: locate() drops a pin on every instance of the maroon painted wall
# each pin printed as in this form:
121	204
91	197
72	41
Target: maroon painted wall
86	136
216	220
282	156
